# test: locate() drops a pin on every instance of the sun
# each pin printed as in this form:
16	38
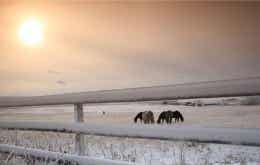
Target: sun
31	32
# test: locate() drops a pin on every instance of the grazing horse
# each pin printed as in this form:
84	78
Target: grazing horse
167	116
163	117
146	117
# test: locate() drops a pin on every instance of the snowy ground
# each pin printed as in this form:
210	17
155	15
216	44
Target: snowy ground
146	152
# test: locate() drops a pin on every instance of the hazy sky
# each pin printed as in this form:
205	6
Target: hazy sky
95	46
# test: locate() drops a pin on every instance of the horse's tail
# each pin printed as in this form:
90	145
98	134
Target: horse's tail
152	118
181	117
139	115
135	119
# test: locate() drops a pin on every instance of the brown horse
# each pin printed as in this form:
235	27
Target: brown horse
147	117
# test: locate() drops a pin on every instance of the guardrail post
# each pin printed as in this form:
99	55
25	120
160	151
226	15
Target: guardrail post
79	139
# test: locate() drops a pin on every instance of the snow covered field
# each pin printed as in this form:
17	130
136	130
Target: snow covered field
145	152
211	116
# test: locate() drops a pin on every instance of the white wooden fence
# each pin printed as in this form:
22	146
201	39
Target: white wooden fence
224	88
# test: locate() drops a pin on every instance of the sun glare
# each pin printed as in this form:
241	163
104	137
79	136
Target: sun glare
31	32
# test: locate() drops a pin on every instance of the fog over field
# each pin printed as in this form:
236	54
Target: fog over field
97	46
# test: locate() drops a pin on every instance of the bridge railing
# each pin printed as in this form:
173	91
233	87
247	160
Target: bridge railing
224	88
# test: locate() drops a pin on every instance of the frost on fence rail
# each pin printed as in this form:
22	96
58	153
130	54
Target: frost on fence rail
197	134
222	88
82	160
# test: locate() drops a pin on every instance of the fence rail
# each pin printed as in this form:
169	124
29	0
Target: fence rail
55	156
196	134
223	88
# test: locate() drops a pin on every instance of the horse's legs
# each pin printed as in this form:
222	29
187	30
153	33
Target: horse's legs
160	120
170	120
153	120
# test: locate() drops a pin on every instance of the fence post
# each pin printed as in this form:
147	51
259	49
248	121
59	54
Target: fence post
79	138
